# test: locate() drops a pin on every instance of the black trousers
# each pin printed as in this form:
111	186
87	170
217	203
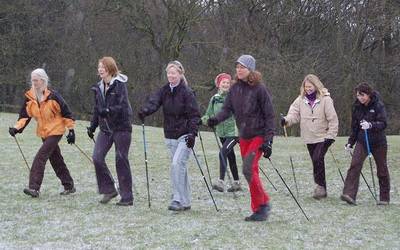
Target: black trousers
227	152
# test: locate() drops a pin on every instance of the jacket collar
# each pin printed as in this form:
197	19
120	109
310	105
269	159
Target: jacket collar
30	94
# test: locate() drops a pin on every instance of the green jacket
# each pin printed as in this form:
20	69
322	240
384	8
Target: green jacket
226	128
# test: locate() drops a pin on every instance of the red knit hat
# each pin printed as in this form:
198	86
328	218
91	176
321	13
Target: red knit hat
220	77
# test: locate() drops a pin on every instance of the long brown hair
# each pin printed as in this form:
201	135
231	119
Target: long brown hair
110	65
255	77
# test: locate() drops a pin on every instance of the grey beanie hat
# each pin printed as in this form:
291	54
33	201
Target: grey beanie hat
248	61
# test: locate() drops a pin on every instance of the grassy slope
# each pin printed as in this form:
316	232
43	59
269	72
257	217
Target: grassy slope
80	222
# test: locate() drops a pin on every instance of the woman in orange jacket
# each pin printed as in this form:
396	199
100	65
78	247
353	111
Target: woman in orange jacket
52	115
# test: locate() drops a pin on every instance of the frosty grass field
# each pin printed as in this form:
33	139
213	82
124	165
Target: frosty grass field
80	222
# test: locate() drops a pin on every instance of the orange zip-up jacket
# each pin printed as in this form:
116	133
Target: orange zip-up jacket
52	114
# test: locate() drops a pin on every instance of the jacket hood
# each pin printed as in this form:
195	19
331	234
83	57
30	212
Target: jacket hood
325	92
120	77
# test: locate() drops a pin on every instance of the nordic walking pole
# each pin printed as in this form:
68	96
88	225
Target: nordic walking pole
291	160
83	152
366	182
205	158
23	156
337	164
223	160
145	163
204	178
226	167
289	189
266	176
370	160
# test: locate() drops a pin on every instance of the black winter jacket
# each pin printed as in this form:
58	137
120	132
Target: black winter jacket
374	113
117	101
252	109
181	111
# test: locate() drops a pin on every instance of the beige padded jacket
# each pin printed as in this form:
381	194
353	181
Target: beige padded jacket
318	122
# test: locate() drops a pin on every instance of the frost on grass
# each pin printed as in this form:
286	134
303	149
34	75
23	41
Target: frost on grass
80	222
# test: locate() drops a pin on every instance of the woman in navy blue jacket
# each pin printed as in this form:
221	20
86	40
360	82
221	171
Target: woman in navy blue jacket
113	113
368	116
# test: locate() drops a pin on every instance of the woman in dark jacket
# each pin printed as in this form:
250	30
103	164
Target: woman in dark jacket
113	112
181	119
251	104
368	116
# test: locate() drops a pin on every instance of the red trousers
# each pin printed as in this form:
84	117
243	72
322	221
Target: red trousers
249	148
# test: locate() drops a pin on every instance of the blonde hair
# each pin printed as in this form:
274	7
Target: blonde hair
179	67
314	80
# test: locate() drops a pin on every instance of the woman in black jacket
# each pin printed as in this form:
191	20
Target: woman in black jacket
250	103
181	119
368	116
113	113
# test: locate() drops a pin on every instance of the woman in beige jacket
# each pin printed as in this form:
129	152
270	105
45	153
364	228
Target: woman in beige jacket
315	112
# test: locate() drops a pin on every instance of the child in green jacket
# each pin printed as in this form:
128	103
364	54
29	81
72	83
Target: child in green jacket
227	133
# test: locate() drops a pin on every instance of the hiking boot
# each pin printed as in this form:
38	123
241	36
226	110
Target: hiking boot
175	206
187	208
32	192
219	186
319	192
235	187
261	214
124	203
68	191
107	197
382	203
348	199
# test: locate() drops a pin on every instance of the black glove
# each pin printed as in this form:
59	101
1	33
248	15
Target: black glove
329	141
283	121
71	136
212	122
104	112
13	131
90	132
266	147
190	140
141	115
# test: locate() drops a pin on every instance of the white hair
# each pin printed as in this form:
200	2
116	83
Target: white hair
41	73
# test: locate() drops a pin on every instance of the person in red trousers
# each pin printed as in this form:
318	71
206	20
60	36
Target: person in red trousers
251	104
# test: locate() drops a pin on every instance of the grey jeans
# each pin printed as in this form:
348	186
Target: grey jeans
180	184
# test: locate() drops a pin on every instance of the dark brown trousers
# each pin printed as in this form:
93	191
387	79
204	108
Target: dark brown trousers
317	153
353	174
49	151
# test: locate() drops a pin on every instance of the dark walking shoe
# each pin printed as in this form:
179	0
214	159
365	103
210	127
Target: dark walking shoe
187	208
319	192
382	203
124	203
175	206
68	191
348	199
107	197
235	187
31	192
219	186
261	214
